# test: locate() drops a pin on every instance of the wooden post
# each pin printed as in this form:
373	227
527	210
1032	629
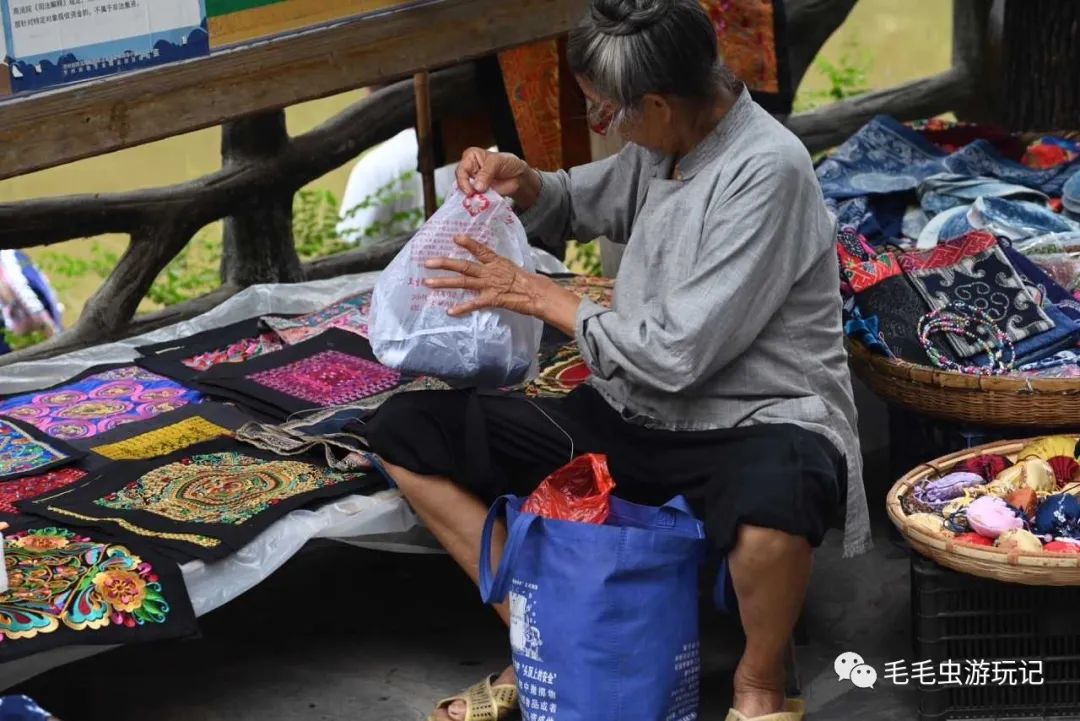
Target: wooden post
259	245
422	87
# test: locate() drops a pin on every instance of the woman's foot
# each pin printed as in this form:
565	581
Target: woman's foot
456	710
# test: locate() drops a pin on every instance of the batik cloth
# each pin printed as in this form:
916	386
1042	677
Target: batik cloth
165	434
974	272
885	156
97	401
185	358
66	588
26	451
1042	286
349	314
335	368
206	501
752	39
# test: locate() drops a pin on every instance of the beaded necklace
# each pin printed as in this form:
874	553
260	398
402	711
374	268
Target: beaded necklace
975	325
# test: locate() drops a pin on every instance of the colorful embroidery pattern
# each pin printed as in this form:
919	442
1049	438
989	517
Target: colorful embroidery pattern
598	290
349	314
23	489
162	441
59	579
226	487
99	402
329	378
237	352
20	452
564	371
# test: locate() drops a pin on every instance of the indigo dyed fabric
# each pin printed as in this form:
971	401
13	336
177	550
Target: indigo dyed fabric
1064	334
898	309
1070	194
1049	290
947	190
885	156
206	501
97	401
68	588
988	282
26	451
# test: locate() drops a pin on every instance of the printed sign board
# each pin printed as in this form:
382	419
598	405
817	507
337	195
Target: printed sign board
51	42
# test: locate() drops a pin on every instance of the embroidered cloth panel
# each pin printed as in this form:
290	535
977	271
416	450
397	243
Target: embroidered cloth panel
184	359
205	501
349	314
98	401
69	588
26	451
334	368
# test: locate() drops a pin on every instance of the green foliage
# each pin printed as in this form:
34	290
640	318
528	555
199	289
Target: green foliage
315	219
62	269
18	342
584	258
847	77
195	271
401	222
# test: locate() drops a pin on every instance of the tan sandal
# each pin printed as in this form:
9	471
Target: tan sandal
484	701
794	710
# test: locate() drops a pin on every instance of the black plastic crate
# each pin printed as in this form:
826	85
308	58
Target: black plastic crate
959	617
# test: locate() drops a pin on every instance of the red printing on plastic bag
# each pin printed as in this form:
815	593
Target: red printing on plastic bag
579	491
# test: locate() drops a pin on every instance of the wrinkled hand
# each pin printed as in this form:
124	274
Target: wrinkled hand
497	282
505	173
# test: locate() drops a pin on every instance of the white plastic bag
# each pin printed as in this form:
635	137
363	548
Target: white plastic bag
410	330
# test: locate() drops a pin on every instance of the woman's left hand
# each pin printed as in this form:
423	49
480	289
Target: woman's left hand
499	283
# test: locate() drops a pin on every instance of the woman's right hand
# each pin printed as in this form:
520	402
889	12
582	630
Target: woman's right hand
505	173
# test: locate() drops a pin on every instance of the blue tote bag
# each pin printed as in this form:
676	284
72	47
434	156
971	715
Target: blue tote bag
604	618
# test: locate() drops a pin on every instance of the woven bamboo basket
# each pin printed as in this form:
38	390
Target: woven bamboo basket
1002	401
1032	569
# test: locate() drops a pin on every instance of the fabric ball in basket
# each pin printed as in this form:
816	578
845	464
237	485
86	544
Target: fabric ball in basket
956	505
1018	540
987	465
1058	515
1033	473
1024	500
1061	547
1049	447
990	516
929	523
1065	469
935	494
972	538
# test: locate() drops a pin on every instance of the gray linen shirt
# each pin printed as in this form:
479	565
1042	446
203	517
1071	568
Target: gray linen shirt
726	309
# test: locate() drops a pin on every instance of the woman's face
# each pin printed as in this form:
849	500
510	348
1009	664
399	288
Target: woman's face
648	124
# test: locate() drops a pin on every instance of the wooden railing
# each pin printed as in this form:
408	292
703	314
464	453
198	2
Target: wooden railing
245	88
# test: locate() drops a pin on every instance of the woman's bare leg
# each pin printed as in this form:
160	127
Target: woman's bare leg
771	570
456	518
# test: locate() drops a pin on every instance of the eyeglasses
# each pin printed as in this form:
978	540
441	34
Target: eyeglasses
600	116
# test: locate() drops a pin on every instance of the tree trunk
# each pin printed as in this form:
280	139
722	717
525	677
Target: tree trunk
1041	58
259	246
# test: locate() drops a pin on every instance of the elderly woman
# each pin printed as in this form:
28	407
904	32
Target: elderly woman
718	374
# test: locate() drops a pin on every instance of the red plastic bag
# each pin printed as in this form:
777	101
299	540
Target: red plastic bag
579	491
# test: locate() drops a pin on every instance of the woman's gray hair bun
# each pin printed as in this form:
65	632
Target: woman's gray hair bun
626	17
627	49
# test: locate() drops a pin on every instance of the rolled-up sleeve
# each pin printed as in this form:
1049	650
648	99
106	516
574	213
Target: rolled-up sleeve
752	251
598	199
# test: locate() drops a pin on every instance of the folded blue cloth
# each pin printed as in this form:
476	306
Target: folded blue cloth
1064	334
948	190
885	156
1070	194
21	708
